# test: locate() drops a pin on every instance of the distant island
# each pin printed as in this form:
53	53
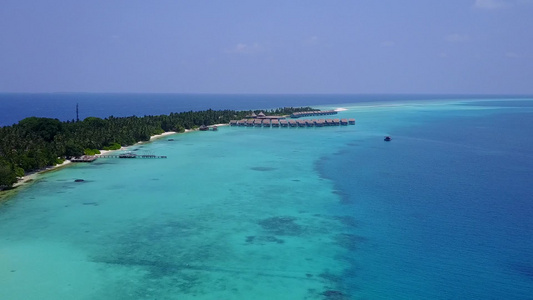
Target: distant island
36	143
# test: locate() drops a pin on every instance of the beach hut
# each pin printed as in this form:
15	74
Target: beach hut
203	128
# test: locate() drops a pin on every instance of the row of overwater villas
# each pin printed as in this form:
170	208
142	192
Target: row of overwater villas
291	123
313	113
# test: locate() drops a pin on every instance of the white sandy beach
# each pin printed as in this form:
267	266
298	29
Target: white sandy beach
158	136
33	175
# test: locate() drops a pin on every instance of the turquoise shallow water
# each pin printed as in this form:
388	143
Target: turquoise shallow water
443	212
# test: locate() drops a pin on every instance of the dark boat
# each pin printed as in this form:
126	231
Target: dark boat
387	139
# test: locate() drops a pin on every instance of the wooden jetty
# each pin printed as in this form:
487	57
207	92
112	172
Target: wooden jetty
313	113
131	155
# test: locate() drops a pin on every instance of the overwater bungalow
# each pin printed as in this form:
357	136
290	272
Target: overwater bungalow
351	121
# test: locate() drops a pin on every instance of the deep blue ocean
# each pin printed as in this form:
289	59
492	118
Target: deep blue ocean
15	107
443	211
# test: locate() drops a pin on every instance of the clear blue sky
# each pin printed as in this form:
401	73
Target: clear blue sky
366	46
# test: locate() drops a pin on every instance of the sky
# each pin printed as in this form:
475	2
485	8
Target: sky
275	47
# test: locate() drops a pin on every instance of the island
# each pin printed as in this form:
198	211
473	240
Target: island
35	144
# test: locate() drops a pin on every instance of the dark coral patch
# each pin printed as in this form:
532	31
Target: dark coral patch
334	295
330	277
263	169
281	226
524	269
347	221
349	241
261	240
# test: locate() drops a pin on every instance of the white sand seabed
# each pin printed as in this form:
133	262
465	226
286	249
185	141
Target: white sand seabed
340	109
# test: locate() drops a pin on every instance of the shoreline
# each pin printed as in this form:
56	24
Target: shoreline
31	177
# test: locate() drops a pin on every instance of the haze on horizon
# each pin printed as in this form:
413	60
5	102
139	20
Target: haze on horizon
384	46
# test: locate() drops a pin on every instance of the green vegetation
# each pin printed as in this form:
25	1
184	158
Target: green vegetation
113	146
91	151
35	143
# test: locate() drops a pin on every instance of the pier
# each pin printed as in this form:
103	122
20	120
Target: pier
131	155
91	158
275	123
313	113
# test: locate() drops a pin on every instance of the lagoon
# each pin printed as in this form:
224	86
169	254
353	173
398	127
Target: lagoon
442	211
